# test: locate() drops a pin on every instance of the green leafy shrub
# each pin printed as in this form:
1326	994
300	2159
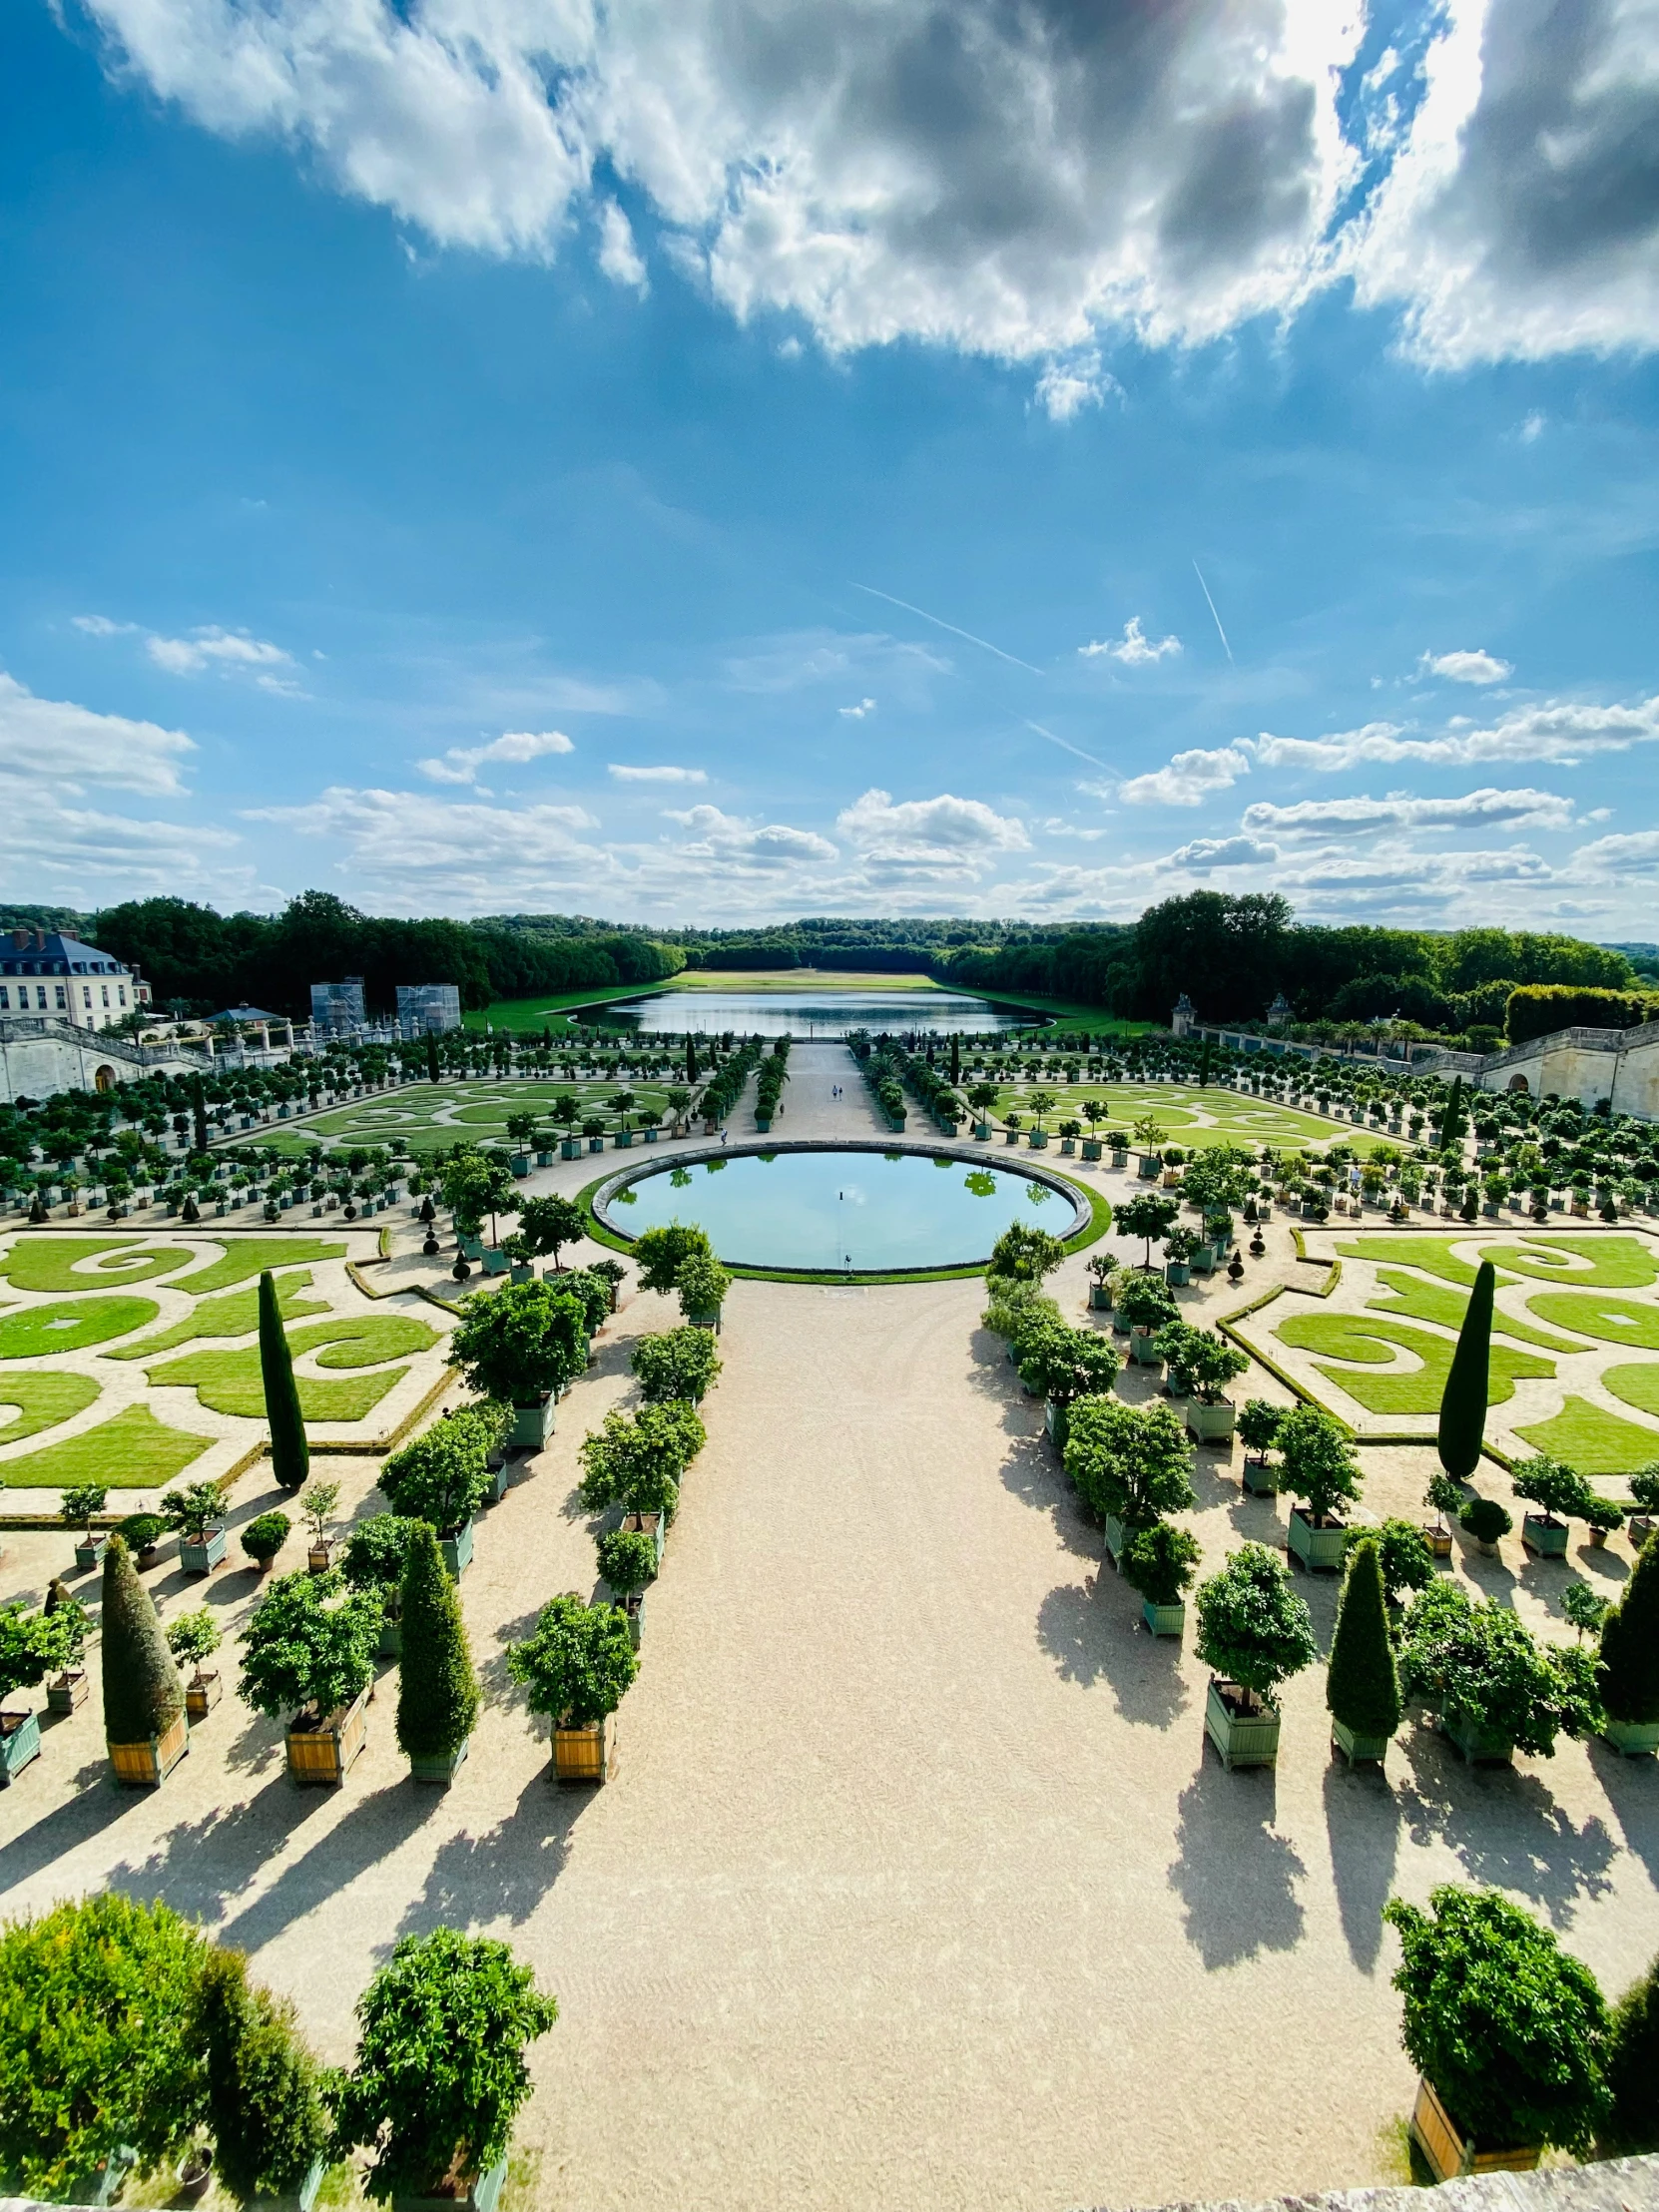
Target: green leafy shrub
96	2043
265	1536
143	1694
626	1560
1644	1488
1559	1490
34	1645
1362	1683
438	1690
577	1662
674	1362
521	1343
701	1284
1145	1302
1631	2128
1463	1399
264	2090
1257	1426
140	1530
659	1254
1133	1462
1445	1494
441	1477
440	2071
1628	1675
194	1637
1252	1628
1020	1312
1509	2027
375	1551
1402	1554
1023	1254
1318	1461
1147	1216
548	1224
79	1503
193	1509
1485	1520
1480	1660
635	1460
1161	1562
1199	1363
1066	1364
309	1643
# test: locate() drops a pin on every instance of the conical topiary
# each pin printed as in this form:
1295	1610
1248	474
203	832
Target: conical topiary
1632	2071
1629	1674
438	1691
433	1071
291	1454
265	2103
1362	1684
143	1694
1463	1401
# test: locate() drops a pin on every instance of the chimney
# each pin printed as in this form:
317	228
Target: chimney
40	940
20	939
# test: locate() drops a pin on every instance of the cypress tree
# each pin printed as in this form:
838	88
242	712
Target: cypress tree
432	1058
438	1691
1632	2071
1451	1128
1361	1685
143	1694
1629	1674
1463	1401
199	1110
291	1454
265	2105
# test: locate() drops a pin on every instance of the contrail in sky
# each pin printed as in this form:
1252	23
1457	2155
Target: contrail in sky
950	626
1066	746
1204	589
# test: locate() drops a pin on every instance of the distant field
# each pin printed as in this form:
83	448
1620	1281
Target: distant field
535	1013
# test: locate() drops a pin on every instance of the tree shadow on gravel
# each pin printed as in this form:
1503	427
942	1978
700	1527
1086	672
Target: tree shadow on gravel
1362	1824
1236	1876
505	1873
1632	1787
1504	1826
98	1804
1096	1634
495	1683
372	1830
202	1866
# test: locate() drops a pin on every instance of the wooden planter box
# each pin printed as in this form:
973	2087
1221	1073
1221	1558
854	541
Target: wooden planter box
1210	1424
532	1425
634	1608
90	1553
201	1693
1641	1527
1635	1739
1545	1535
646	1524
390	1645
1319	1549
146	1765
457	1550
1164	1620
586	1755
19	1743
1479	1746
1243	1738
442	1767
66	1691
1437	1539
319	1556
203	1557
1448	2154
1356	1748
481	2195
322	1754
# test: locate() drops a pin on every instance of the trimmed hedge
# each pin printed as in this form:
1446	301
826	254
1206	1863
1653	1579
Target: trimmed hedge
1537	1010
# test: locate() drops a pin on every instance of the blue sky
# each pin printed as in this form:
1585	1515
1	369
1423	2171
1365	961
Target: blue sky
721	462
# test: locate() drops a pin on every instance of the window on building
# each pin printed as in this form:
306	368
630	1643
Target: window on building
105	991
120	992
63	999
40	996
5	1000
86	994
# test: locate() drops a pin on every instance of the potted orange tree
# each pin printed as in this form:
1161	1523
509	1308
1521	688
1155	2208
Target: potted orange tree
521	1346
577	1663
192	1638
1257	1426
1254	1632
1318	1465
1131	1465
309	1654
1159	1562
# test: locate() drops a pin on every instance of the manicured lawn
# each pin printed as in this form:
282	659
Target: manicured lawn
1409	1297
1189	1116
1373	1343
1616	1320
548	1012
1638	1386
230	1383
56	1263
477	1112
42	1398
250	1256
134	1452
1433	1254
1593	1440
231	1313
1587	1262
70	1326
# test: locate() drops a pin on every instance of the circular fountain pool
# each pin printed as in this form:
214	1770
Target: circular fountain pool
840	1209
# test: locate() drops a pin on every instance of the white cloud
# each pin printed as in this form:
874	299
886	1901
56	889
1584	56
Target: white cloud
655	775
1134	649
857	713
799	660
1561	731
619	256
1066	388
929	829
414	849
1189	778
721	837
460	765
48	744
1205	854
1519	219
1634	853
952	170
100	626
189	656
1529	809
1477	667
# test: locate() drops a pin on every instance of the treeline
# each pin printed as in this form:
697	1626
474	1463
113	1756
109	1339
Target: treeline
196	961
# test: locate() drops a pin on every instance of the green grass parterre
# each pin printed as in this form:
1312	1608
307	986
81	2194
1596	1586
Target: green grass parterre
229	1381
43	1396
132	1451
28	1333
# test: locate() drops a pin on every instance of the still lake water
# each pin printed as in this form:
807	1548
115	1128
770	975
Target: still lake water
808	1013
864	1211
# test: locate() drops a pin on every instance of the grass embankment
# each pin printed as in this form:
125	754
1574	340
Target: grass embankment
537	1013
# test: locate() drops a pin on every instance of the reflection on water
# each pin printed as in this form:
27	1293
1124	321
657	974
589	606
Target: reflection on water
808	1013
862	1211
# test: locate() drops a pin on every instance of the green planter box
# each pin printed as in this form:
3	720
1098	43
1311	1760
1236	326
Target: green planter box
622	1139
90	1555
709	1319
1149	1167
532	1425
763	1121
1010	1136
1177	1273
202	1558
519	1163
982	1130
1057	1422
1354	1748
1243	1738
1140	1347
1635	1739
1092	1148
1547	1537
1100	1299
1319	1549
1164	1620
390	1645
1483	1746
441	1768
483	2196
19	1743
1114	1536
457	1550
1120	1157
1210	1424
570	1148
